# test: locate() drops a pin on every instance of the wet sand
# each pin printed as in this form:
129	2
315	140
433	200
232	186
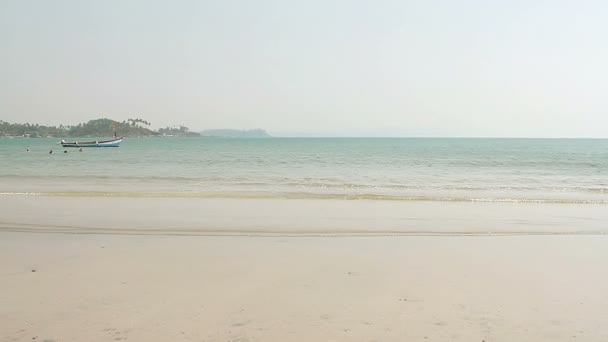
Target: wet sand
246	217
70	287
141	269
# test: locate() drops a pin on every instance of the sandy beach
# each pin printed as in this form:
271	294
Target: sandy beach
151	285
303	171
278	217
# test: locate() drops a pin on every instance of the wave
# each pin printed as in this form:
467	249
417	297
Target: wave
286	184
308	196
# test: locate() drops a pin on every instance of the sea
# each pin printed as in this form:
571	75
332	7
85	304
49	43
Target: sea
374	169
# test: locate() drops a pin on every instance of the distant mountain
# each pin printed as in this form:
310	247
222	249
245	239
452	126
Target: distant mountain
235	133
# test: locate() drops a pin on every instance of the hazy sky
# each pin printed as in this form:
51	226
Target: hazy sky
314	67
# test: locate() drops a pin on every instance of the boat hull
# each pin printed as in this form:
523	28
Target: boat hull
106	143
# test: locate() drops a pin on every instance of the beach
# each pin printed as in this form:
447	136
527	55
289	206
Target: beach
70	276
109	214
303	171
305	240
64	287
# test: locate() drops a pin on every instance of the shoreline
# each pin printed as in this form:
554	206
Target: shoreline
295	217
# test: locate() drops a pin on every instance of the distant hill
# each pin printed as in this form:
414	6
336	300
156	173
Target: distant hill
93	128
235	133
107	127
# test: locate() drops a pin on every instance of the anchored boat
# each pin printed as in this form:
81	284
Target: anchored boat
106	143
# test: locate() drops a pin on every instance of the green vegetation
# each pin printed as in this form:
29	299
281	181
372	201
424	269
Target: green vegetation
106	127
93	128
181	131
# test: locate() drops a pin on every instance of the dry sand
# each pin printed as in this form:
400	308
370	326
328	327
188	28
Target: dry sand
213	288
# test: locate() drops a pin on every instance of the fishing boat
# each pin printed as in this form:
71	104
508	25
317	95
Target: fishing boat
106	143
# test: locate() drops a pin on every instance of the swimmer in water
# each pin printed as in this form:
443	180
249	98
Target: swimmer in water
51	152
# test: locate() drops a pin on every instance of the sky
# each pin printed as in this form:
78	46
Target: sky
478	68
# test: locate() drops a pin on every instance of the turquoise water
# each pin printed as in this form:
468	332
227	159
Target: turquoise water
512	170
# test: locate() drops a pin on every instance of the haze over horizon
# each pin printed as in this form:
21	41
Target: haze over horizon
316	68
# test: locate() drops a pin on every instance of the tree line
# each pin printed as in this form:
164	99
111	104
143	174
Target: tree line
93	128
